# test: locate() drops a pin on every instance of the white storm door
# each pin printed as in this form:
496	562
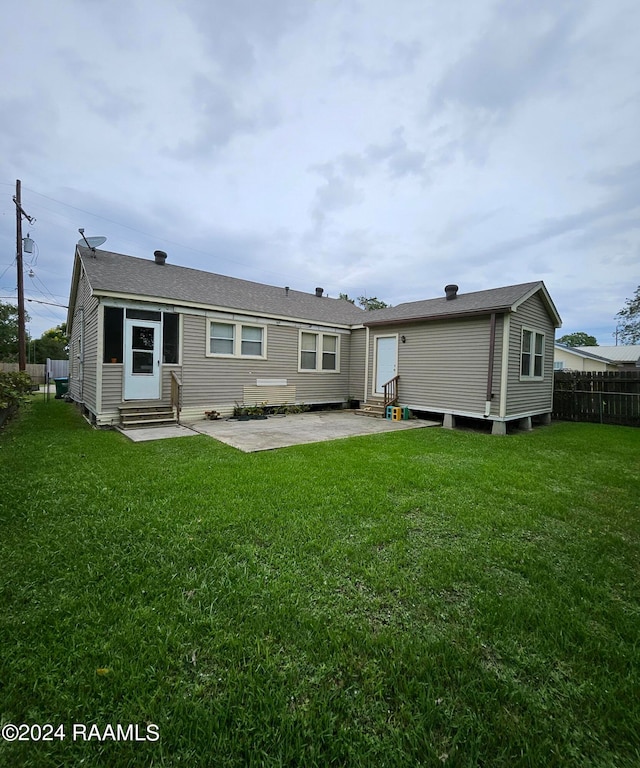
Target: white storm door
142	360
386	360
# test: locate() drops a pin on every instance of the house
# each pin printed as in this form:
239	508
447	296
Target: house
145	335
579	359
625	358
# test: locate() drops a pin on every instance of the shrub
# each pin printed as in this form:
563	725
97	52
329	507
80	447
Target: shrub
15	386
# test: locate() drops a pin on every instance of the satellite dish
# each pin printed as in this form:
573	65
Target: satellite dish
92	242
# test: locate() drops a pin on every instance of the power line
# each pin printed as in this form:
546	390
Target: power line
38	301
147	234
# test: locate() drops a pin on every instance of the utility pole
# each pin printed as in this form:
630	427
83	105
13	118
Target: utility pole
22	334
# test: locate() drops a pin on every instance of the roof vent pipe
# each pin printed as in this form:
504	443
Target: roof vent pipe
286	290
451	292
319	292
160	257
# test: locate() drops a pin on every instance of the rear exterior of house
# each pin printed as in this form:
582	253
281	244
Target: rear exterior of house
127	347
142	331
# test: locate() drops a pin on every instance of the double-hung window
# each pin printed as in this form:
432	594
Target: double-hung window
222	339
319	352
236	340
532	355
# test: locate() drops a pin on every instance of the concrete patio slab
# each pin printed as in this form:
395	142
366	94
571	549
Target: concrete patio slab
299	429
143	434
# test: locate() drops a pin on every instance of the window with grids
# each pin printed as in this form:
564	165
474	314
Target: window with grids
532	355
236	340
319	352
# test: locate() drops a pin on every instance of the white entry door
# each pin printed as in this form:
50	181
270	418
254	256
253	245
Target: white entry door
386	360
142	360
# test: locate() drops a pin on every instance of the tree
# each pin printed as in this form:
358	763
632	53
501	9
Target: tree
9	332
578	339
372	303
53	343
628	331
364	302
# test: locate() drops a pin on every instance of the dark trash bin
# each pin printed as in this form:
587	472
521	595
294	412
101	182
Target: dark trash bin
62	387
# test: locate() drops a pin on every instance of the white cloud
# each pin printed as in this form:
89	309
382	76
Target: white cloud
336	143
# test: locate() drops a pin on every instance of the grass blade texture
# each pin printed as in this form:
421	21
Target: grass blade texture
418	598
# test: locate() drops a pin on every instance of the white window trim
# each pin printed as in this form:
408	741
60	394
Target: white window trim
530	376
319	347
237	340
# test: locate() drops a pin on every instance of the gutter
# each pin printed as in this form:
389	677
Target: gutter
442	316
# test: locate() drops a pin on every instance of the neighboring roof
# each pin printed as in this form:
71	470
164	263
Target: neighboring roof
580	352
621	354
506	299
115	274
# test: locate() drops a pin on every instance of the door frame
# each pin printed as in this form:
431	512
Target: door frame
142	386
375	382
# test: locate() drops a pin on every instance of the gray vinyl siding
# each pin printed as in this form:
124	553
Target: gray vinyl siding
530	396
90	354
357	363
82	373
443	365
112	375
218	383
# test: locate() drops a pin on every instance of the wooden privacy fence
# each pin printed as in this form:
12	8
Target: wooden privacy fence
35	371
608	397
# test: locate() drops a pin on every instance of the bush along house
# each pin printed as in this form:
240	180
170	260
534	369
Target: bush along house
151	341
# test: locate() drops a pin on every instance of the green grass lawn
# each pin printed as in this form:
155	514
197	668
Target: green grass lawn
426	597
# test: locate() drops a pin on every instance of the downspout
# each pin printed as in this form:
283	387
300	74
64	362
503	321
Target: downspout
492	348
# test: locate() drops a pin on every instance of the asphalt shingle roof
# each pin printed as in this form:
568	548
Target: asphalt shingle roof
133	276
117	273
495	299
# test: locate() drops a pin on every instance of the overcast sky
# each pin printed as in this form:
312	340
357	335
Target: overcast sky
381	148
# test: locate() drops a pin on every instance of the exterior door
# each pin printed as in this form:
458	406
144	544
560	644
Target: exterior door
142	360
386	360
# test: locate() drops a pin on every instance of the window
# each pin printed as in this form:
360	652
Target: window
251	341
319	352
236	340
113	335
222	339
532	355
329	353
308	345
170	338
144	314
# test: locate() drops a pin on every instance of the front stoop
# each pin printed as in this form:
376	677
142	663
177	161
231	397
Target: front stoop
373	407
137	415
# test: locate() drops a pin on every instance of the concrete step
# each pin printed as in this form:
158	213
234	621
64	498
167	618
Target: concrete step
374	408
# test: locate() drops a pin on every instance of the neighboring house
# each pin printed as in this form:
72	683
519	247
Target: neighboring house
136	325
625	358
577	359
